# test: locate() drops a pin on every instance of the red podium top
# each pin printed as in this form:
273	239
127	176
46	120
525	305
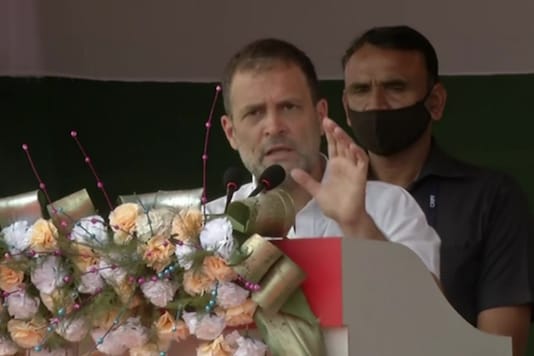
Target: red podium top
321	259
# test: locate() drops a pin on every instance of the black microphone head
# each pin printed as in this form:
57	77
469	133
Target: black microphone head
272	176
233	177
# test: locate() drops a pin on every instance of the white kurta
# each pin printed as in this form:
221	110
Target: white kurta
392	208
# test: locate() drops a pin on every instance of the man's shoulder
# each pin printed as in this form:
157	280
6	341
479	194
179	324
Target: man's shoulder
448	165
483	177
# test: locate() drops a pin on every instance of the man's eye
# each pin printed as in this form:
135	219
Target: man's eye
253	113
397	87
359	90
290	106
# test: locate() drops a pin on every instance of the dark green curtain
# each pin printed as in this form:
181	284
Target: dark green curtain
145	136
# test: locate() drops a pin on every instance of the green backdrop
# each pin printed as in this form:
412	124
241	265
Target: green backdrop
147	136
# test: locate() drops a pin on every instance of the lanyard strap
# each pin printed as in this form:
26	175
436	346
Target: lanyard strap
432	204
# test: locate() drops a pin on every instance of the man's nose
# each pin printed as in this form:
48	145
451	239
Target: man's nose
377	100
275	124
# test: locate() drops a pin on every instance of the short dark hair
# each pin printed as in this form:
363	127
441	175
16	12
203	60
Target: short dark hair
402	38
262	54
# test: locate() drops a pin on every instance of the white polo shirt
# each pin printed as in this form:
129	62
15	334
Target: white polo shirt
392	208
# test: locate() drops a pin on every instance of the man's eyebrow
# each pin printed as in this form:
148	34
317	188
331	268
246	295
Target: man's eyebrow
394	82
358	85
250	107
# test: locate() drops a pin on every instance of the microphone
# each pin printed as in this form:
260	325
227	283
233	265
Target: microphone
232	180
271	177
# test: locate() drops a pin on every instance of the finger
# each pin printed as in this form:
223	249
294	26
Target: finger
359	154
343	137
305	181
361	159
343	143
347	153
329	124
336	146
331	142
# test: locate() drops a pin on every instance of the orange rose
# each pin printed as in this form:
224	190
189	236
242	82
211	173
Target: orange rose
105	320
27	334
122	220
216	268
83	257
241	314
158	253
182	331
165	324
146	350
197	282
10	279
124	291
43	236
217	347
59	297
168	328
187	225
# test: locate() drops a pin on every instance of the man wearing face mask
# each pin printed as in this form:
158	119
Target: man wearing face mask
392	96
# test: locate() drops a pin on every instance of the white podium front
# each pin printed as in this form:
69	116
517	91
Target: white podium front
392	306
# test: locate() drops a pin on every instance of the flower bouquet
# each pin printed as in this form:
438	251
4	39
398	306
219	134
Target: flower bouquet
159	270
149	276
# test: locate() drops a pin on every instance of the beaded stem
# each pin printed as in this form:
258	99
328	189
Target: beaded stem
87	160
42	185
205	153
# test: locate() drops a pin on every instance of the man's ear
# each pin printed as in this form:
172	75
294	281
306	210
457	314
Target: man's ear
436	101
228	128
322	111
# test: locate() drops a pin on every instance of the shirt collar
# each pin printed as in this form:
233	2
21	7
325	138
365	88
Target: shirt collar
439	163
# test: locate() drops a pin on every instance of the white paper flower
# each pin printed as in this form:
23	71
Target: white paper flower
131	333
157	222
109	344
183	253
48	274
91	230
217	236
250	347
231	338
128	335
17	236
7	347
21	305
230	295
159	292
205	326
191	320
73	329
113	275
91	282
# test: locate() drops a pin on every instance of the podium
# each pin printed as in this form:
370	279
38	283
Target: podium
377	298
389	303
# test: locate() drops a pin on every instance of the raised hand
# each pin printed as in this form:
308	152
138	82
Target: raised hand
341	192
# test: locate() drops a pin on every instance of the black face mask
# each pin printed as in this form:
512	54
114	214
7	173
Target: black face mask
386	132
